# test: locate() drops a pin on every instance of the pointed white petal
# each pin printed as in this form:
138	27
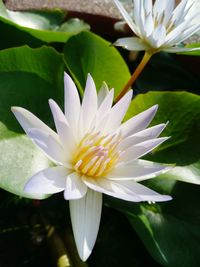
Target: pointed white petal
168	7
51	147
117	113
64	131
132	44
144	135
138	170
48	181
159	36
89	105
102	93
190	31
110	188
85	216
72	102
103	111
162	8
126	16
147	6
180	11
138	122
141	149
143	192
139	16
28	120
106	103
75	188
175	35
126	190
149	23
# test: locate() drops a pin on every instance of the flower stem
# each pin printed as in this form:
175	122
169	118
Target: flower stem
136	73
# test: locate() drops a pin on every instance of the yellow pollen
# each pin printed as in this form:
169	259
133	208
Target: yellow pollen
97	154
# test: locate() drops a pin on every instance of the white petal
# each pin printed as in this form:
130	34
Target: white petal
110	188
89	105
144	135
138	122
85	216
117	113
102	93
63	128
139	16
184	32
126	190
103	111
148	6
175	35
75	188
141	149
149	23
159	36
168	7
126	16
143	192
48	144
179	12
72	102
181	49
48	181
160	8
138	170
106	103
28	120
132	44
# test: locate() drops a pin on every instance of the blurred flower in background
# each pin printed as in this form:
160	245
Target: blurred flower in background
161	26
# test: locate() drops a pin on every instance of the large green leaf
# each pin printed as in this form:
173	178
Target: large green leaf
182	110
170	231
88	53
45	26
28	78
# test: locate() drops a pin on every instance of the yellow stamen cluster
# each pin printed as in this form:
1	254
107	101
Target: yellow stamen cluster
96	154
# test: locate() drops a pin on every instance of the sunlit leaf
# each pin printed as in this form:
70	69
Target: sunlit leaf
45	26
28	78
88	53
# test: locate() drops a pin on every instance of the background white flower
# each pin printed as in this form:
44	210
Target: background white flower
94	153
160	26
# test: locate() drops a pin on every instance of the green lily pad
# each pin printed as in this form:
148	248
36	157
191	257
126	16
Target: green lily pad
45	26
28	78
88	53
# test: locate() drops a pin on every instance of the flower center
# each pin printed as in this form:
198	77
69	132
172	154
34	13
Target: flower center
96	155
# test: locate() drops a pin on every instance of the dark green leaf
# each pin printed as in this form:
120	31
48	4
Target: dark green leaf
117	244
170	231
167	72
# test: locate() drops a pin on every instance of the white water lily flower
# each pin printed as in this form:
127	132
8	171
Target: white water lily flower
94	153
160	26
